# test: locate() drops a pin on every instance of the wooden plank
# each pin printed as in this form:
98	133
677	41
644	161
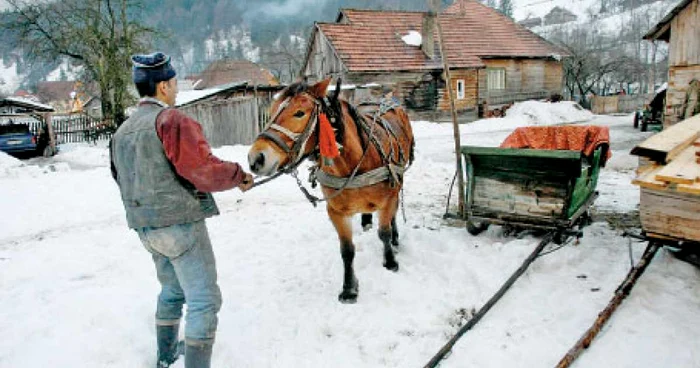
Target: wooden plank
670	213
533	153
689	188
664	146
682	170
646	179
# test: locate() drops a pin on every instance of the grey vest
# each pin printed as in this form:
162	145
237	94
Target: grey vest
152	192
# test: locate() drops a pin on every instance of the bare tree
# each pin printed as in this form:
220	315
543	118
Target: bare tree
285	57
99	35
593	61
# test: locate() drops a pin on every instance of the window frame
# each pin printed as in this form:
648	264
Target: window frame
501	81
461	94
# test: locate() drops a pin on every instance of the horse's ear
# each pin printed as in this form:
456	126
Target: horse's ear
336	93
319	89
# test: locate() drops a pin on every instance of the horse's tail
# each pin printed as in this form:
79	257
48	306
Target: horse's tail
406	121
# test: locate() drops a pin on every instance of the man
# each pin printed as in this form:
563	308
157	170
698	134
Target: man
166	171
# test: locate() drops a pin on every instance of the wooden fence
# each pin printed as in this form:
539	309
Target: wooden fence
76	128
618	104
73	128
231	121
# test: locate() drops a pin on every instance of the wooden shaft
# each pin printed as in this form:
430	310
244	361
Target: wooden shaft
490	303
622	291
455	125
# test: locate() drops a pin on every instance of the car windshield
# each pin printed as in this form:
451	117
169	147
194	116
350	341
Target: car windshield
14	129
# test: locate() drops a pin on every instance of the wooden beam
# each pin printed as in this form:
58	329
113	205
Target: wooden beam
682	170
664	146
434	7
647	178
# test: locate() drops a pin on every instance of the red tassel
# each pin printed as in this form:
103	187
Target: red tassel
326	139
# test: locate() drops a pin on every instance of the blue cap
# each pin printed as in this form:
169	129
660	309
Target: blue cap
152	68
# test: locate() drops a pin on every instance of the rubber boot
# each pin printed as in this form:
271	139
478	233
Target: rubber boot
169	350
198	355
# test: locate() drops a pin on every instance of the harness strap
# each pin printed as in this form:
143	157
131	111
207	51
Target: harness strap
277	140
290	134
376	176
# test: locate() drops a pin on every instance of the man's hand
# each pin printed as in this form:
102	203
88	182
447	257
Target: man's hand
247	183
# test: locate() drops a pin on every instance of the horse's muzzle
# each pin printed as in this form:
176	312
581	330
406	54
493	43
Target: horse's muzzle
261	164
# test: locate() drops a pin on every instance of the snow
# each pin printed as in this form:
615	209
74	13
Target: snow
661	88
28	102
77	289
413	38
185	97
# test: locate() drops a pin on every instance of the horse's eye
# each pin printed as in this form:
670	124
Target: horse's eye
299	114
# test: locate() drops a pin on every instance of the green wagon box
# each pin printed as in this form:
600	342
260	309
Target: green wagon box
529	188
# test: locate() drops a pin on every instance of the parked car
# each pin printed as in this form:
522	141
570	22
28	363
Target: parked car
18	139
652	114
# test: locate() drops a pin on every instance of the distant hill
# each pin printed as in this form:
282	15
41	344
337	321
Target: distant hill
197	32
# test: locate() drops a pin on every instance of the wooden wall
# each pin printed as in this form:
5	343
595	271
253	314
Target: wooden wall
684	60
679	78
323	62
525	79
229	122
471	94
684	48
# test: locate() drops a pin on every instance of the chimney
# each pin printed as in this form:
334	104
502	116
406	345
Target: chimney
428	28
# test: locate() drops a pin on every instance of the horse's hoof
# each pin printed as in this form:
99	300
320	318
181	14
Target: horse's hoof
348	297
394	267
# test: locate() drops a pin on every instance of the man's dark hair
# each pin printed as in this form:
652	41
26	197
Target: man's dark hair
146	89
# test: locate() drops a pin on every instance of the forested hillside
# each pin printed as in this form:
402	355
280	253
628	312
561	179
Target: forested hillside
273	32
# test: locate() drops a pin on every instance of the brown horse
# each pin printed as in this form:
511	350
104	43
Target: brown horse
367	175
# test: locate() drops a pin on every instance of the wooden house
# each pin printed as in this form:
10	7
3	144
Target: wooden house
669	181
681	29
227	71
493	61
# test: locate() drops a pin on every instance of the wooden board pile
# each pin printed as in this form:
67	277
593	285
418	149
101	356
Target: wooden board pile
669	181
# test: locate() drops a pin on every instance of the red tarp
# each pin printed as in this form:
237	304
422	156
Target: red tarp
583	138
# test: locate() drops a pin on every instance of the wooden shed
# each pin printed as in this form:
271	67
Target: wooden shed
681	29
493	61
230	114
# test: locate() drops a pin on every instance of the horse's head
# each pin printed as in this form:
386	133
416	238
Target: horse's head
290	134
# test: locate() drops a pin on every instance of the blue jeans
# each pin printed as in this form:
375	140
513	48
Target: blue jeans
186	270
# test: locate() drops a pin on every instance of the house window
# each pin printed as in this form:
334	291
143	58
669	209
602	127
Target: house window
460	89
496	78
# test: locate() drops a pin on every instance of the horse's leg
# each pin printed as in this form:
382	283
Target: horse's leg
343	227
394	232
386	216
366	221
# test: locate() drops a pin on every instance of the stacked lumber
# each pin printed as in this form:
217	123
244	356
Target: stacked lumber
669	181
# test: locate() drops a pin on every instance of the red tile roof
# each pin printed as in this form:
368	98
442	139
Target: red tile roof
228	71
370	40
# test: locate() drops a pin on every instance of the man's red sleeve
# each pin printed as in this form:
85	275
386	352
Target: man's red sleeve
188	151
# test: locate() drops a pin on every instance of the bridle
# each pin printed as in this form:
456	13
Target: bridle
274	133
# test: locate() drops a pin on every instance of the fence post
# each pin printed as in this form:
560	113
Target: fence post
48	119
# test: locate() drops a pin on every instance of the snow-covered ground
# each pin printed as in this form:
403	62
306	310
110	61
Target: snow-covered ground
78	290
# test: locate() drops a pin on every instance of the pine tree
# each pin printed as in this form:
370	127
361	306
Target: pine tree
506	7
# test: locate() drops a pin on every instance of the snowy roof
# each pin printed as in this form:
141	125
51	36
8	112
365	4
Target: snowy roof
26	103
